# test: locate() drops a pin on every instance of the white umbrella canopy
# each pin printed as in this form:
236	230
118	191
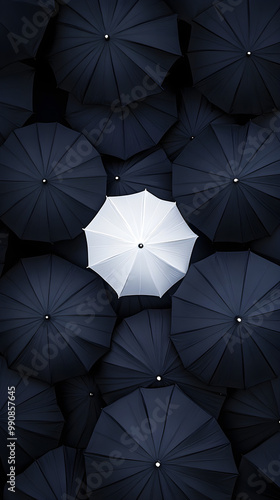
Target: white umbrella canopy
139	244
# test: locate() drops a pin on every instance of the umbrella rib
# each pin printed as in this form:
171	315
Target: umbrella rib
204	307
253	209
27	153
51	147
125	430
121	216
148	419
244	279
211	286
165	419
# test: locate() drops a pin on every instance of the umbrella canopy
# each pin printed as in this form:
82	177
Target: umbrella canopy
194	114
122	48
157	443
38	420
149	170
226	182
139	244
23	24
4	241
124	131
225	318
142	355
52	181
235	58
80	401
259	477
270	122
187	10
55	318
269	247
59	474
251	416
16	90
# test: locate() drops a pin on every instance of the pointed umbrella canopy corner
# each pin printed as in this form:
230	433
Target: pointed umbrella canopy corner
159	444
55	318
234	55
227	182
139	244
225	319
122	49
52	181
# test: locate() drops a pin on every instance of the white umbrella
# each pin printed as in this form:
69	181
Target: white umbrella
139	244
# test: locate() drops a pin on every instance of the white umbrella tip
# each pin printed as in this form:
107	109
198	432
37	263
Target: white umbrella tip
157	464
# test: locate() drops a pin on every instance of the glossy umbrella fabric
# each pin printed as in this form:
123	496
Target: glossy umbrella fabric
23	24
259	473
124	131
108	51
251	416
195	112
139	244
16	91
226	182
54	317
234	56
59	474
150	170
38	419
80	401
142	355
225	317
160	445
52	182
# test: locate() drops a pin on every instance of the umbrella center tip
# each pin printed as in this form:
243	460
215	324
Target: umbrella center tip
107	37
44	181
248	53
235	180
238	319
140	245
117	177
47	316
159	378
157	464
192	137
91	394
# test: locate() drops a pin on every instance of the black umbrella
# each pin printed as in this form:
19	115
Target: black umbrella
150	170
187	10
251	416
259	473
142	355
157	443
52	182
81	403
194	114
268	247
29	417
16	90
23	24
55	318
59	474
225	319
4	240
114	50
226	182
124	131
234	55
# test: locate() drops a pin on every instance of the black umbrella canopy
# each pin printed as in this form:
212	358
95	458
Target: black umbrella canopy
251	416
259	476
80	401
195	112
16	90
142	355
118	46
226	182
128	130
150	170
55	318
188	9
59	474
29	415
157	443
268	247
225	319
52	182
23	24
234	55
